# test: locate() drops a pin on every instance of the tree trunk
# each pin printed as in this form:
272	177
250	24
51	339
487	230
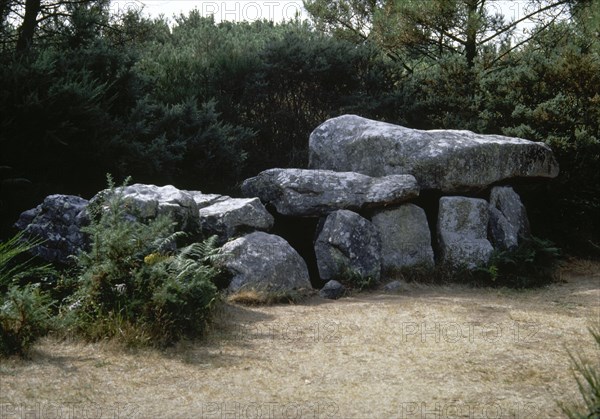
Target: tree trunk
471	32
27	29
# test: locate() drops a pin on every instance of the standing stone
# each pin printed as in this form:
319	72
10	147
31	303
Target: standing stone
505	199
501	233
405	238
462	231
348	243
264	262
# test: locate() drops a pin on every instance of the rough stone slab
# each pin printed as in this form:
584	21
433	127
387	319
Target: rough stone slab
57	221
149	201
205	200
446	160
405	237
508	203
462	231
264	262
299	192
348	243
233	217
501	233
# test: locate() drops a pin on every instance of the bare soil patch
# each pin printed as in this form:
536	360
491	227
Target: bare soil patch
447	351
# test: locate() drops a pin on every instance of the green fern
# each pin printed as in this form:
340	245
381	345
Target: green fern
135	283
25	310
15	264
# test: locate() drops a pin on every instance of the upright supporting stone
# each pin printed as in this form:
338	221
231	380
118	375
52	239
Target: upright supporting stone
508	218
462	232
348	243
405	238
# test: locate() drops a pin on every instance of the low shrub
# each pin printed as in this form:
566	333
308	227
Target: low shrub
352	279
134	285
533	263
26	312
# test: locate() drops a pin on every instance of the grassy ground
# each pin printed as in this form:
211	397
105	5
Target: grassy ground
432	352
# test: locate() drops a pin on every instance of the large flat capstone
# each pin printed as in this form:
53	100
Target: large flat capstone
445	160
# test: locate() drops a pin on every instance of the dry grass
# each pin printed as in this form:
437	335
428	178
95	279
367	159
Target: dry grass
465	352
252	297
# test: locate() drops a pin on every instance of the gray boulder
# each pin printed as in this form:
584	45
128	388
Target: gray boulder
263	262
348	244
298	192
505	199
332	290
447	160
233	217
462	231
146	202
57	221
395	287
405	237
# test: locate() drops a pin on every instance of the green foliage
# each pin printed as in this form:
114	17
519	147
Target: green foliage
16	265
533	263
303	79
25	315
587	375
179	144
204	105
25	310
135	286
352	279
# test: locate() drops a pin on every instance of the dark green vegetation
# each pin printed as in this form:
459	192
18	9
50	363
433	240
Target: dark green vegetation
204	105
133	284
25	309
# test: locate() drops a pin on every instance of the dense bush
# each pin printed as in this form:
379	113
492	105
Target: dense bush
25	310
533	263
25	315
135	286
204	105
